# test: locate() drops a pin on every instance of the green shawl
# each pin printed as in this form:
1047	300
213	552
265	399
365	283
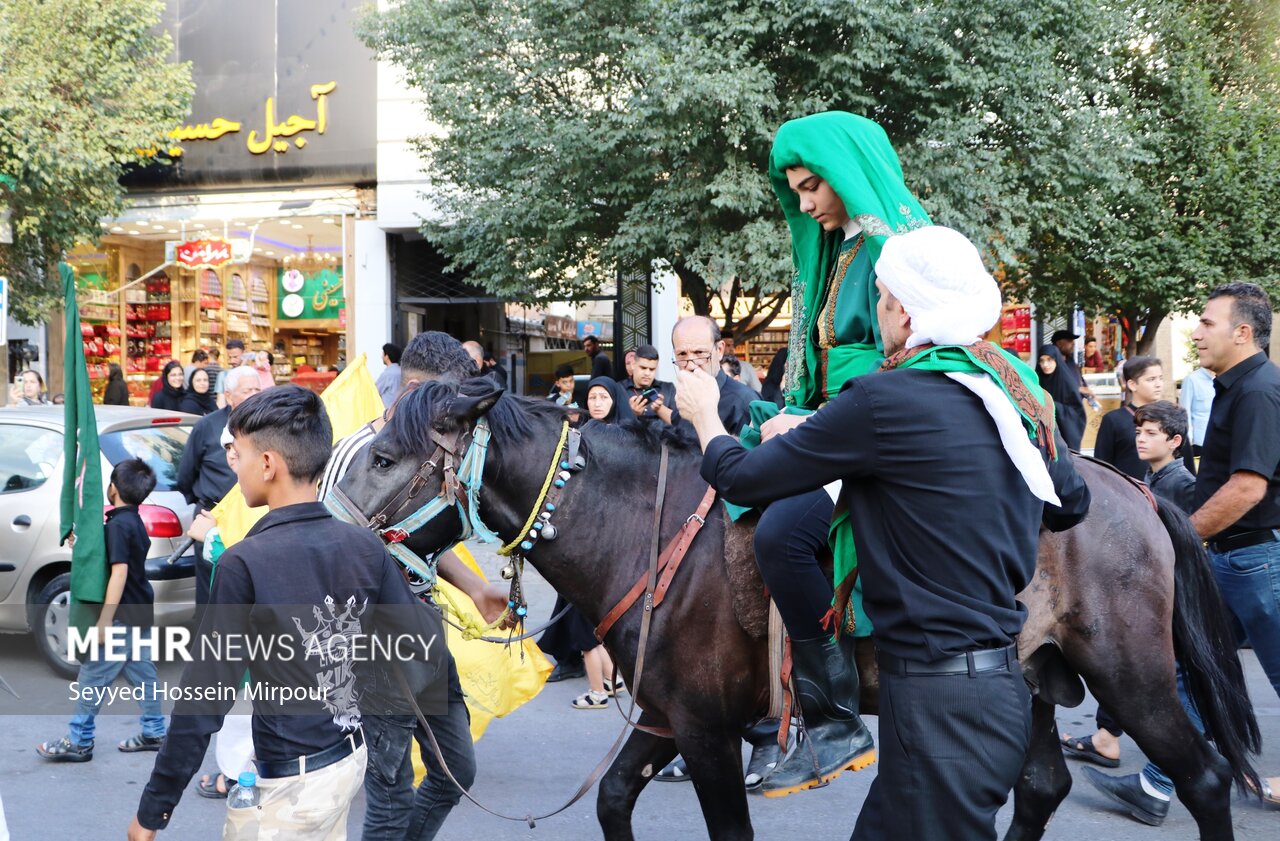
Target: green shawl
854	156
1020	385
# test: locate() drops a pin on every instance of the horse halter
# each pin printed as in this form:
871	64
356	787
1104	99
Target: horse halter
455	494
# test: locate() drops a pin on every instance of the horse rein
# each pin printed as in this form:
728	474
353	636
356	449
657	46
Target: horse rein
633	687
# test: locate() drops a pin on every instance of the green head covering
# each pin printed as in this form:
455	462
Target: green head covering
854	156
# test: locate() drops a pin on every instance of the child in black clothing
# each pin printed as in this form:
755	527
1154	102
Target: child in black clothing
128	604
1161	427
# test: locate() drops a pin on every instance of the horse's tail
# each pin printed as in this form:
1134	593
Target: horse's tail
1206	648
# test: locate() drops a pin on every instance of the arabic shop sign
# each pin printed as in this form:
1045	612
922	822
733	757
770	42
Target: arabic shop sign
285	95
303	296
203	253
273	135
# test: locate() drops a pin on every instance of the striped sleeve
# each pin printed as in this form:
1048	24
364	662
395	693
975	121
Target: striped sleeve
344	453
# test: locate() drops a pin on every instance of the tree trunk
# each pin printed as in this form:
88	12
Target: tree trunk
1149	321
694	288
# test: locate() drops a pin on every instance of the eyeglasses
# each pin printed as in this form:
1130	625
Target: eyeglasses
684	357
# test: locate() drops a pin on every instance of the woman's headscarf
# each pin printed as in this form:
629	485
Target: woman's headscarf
620	401
117	391
169	398
1065	391
854	156
196	403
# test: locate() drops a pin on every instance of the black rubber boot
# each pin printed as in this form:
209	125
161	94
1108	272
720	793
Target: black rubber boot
835	739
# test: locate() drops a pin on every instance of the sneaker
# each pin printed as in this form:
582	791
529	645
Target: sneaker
591	700
1129	792
139	742
63	751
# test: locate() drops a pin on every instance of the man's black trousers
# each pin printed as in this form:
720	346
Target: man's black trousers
951	747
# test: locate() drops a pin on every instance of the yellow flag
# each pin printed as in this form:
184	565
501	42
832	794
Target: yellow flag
351	401
496	679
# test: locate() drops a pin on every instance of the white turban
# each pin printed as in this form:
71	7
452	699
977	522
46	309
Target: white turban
938	276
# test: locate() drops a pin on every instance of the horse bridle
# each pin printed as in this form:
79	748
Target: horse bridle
463	472
453	495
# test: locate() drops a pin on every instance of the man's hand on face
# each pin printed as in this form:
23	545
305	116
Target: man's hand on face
780	425
697	395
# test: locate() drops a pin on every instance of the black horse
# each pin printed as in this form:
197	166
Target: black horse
1114	600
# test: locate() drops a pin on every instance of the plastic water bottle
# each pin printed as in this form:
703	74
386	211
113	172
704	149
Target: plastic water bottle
244	794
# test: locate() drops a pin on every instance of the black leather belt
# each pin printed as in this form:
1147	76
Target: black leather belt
969	663
1243	539
314	762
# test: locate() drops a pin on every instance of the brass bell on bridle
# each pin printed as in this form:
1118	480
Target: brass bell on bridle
508	572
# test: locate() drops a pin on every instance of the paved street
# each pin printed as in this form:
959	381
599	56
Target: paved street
530	761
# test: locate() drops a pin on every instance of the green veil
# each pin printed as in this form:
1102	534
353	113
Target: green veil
854	156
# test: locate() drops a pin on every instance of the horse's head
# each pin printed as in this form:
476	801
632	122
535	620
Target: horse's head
404	484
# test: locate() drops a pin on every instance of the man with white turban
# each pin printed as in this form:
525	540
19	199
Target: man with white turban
949	464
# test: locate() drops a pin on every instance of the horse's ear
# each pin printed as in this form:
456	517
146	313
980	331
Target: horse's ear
475	397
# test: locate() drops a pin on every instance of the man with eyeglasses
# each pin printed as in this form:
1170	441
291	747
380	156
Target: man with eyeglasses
697	344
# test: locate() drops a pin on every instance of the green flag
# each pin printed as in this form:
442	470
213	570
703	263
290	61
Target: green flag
81	468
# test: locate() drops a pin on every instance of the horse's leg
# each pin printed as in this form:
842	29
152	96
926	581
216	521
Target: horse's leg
642	756
715	766
1044	781
1150	712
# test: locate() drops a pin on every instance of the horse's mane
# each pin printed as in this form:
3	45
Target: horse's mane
513	420
649	436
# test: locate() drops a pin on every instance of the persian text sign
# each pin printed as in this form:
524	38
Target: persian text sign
203	253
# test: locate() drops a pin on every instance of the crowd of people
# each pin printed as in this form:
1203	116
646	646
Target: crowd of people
889	433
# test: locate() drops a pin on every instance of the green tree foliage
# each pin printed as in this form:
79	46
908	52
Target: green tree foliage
1202	96
578	136
83	86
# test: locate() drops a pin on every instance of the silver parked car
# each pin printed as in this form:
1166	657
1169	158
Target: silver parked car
35	572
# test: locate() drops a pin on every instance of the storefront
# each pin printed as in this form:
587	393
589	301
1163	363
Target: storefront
250	233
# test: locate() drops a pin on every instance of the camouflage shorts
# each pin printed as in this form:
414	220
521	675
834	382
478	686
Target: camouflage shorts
309	807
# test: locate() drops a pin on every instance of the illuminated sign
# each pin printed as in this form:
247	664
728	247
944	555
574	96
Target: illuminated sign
203	253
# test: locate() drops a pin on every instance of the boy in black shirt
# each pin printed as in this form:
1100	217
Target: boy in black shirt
128	604
1161	427
298	584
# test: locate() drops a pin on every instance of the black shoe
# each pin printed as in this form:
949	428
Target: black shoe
676	771
835	739
1128	792
765	753
567	670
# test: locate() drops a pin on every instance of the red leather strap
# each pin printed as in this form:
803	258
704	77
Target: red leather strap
668	563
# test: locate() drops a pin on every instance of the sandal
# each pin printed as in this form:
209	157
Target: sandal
1270	798
675	772
63	751
614	689
1083	749
210	788
589	700
138	743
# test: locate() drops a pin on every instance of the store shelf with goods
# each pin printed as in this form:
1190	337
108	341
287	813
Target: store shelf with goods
260	324
1013	332
148	332
760	349
316	350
